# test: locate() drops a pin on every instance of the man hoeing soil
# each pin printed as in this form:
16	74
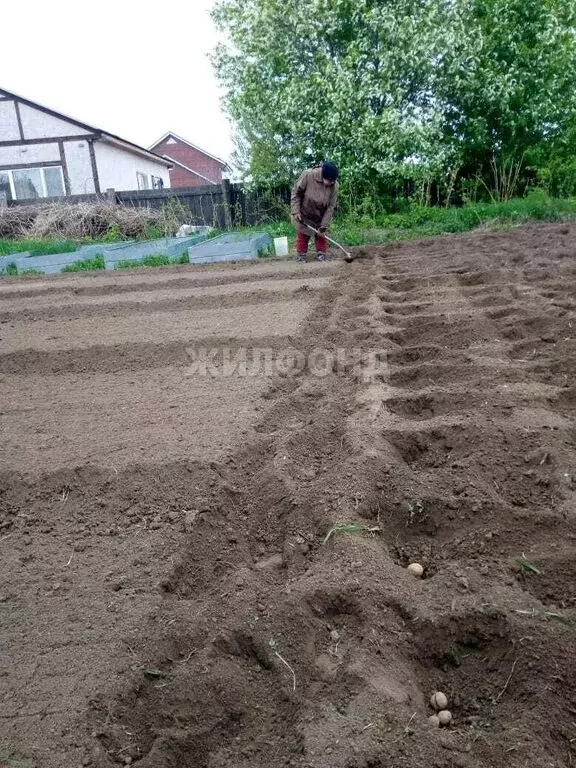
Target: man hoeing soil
313	202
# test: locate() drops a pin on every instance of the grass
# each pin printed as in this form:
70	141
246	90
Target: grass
350	528
156	260
12	271
46	246
37	246
569	620
85	265
154	673
97	263
526	566
265	252
418	221
426	221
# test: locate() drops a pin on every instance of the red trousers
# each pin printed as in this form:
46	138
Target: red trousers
302	243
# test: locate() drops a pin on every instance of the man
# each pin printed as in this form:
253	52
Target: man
314	199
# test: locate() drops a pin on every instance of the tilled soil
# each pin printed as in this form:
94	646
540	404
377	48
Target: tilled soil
170	593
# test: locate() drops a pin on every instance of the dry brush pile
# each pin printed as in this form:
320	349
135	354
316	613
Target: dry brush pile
86	220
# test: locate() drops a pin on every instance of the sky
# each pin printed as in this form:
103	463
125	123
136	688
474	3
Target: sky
133	72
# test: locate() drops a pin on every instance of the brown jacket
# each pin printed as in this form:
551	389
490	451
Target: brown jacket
313	200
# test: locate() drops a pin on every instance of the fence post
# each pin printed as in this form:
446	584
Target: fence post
111	195
240	203
227	200
3	200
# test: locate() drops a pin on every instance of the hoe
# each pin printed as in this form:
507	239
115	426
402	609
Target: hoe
347	254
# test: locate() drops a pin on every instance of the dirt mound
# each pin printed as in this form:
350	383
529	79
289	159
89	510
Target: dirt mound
255	609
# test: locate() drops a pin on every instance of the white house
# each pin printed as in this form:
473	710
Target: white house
46	154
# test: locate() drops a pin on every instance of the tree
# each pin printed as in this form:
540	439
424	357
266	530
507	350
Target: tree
507	82
348	79
394	88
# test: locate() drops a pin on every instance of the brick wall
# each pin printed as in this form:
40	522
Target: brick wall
181	178
193	158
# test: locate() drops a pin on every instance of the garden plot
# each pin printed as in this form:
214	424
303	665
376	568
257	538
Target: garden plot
170	593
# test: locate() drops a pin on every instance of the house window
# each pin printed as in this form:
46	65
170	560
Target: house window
53	181
26	183
143	181
157	182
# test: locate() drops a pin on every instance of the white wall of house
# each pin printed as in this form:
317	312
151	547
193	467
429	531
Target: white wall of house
29	154
79	166
34	143
9	130
118	169
40	125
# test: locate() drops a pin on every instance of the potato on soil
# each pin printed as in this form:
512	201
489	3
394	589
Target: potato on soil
439	700
416	570
445	717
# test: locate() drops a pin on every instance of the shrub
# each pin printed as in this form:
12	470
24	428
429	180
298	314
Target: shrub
85	265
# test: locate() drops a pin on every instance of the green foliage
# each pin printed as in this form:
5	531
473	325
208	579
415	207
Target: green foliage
426	221
114	233
153	232
265	252
507	81
431	90
156	260
85	265
526	566
128	264
37	246
555	163
418	221
351	528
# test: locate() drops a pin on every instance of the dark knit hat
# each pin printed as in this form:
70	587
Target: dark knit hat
330	171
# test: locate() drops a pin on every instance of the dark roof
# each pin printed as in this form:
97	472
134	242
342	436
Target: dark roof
100	134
